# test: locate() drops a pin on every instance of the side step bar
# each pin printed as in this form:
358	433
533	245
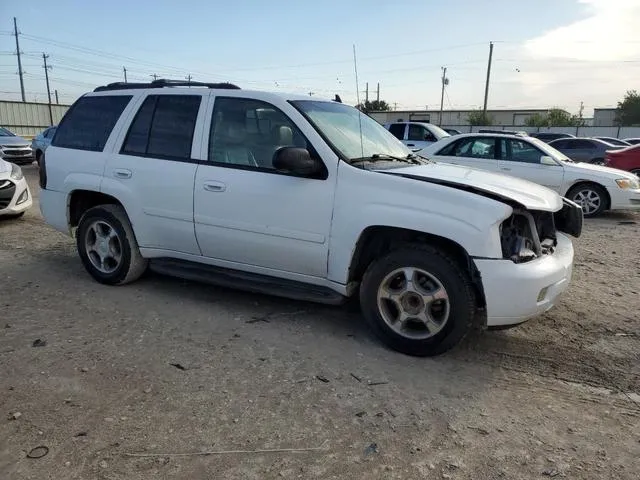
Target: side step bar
251	282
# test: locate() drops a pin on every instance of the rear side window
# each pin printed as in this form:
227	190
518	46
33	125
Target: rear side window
163	127
89	122
397	130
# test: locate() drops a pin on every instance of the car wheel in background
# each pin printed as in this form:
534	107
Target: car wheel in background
591	197
636	172
108	247
418	300
597	161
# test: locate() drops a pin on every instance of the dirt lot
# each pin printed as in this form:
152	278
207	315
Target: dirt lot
165	366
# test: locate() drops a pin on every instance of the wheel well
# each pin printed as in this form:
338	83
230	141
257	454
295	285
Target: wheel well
82	200
587	182
376	241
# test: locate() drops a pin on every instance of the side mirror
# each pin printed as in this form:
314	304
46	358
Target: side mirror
547	160
297	161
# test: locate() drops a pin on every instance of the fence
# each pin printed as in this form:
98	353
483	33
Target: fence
28	119
616	132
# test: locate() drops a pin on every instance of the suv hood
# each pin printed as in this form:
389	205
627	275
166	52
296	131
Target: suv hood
598	171
527	194
15	140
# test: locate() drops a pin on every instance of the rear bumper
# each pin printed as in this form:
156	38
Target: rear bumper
53	206
516	292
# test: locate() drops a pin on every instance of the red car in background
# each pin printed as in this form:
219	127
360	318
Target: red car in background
625	159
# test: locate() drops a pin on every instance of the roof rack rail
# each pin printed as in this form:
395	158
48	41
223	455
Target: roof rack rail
163	82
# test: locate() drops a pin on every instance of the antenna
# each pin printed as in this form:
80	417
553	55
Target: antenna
355	67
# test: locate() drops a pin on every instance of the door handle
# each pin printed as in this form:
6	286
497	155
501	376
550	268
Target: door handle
411	144
506	168
211	186
122	173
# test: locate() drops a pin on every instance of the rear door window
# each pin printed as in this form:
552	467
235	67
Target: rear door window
471	147
163	127
89	122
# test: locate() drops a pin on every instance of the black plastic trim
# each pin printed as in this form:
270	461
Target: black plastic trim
162	83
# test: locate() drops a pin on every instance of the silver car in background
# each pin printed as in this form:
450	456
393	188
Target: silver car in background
14	148
41	141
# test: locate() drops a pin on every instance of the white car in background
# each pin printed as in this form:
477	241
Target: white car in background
416	135
595	188
15	197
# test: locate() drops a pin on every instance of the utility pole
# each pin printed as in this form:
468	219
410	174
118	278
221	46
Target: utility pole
486	86
15	32
188	78
57	101
378	94
46	76
154	76
124	69
366	94
444	80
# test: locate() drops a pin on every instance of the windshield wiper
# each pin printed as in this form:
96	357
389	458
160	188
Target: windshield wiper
383	157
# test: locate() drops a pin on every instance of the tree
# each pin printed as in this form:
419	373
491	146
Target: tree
373	106
628	112
479	118
555	117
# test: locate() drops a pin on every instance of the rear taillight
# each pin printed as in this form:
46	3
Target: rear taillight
43	172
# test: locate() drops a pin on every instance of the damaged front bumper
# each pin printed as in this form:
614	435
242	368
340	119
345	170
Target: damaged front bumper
515	292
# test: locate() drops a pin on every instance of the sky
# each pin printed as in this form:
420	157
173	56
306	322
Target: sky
547	53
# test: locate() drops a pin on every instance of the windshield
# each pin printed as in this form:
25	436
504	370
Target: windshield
549	150
5	133
340	124
439	132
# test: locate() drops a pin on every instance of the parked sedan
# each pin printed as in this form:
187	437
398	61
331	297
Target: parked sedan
614	141
595	188
14	148
41	141
15	197
550	136
590	150
626	159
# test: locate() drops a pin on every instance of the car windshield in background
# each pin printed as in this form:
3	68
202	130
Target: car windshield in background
439	132
341	125
6	133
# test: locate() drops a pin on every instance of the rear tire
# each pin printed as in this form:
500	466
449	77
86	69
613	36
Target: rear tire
108	247
591	197
424	315
597	161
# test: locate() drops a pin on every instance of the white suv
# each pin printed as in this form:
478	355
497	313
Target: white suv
303	198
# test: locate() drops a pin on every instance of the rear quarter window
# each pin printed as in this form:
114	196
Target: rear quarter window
89	122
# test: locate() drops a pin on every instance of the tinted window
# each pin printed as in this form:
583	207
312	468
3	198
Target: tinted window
249	132
581	144
397	129
88	123
560	144
163	127
473	147
138	136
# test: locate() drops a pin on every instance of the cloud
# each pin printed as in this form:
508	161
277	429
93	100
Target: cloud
610	32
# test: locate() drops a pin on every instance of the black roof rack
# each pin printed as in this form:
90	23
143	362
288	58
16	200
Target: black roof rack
163	82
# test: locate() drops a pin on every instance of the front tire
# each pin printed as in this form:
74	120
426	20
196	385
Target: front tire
591	197
108	247
418	300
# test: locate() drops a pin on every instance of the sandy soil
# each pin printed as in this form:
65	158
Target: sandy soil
556	397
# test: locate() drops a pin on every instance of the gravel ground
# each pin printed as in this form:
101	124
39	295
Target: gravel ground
163	367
